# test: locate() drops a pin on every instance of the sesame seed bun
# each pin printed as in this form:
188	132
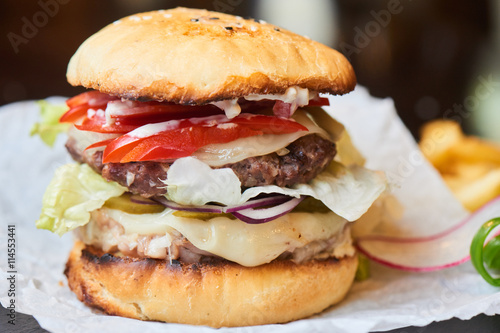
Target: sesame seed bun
192	56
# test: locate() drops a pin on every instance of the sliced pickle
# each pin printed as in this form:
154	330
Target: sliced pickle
311	205
201	216
363	271
124	204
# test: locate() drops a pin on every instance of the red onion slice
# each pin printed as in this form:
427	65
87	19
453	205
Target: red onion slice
256	216
282	109
282	204
253	203
435	252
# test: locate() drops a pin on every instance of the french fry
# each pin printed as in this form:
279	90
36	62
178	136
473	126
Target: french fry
470	166
475	150
475	194
437	138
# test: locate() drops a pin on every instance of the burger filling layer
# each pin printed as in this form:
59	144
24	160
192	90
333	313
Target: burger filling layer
269	159
297	236
299	162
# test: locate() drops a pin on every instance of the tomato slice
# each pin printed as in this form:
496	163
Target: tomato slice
79	105
269	124
165	131
319	101
183	142
100	144
98	124
91	98
74	114
151	112
181	138
146	111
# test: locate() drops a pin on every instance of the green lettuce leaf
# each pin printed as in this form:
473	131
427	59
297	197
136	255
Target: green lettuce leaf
73	193
348	191
49	126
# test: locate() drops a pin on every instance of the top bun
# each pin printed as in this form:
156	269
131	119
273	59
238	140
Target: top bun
192	56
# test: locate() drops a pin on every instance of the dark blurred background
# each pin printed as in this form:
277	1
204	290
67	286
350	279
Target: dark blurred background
435	58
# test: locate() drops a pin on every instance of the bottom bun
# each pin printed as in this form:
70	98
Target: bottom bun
217	294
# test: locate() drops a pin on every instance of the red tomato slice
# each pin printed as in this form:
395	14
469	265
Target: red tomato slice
98	124
79	105
99	144
160	113
118	148
319	101
148	112
74	114
269	124
91	98
183	142
183	138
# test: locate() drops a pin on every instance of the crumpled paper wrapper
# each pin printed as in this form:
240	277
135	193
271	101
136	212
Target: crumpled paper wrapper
389	299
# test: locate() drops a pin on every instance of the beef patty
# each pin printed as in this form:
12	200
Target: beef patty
304	159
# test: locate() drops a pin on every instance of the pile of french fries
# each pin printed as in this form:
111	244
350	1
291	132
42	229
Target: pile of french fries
470	166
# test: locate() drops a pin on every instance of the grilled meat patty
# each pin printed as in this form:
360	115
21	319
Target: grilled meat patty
303	160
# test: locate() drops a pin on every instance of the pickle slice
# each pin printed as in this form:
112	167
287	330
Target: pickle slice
124	204
201	216
311	205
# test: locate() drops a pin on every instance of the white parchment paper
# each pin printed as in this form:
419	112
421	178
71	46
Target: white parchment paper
388	300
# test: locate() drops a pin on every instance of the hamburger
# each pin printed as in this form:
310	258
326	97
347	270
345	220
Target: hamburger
209	186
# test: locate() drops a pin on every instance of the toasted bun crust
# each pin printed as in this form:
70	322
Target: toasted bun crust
192	56
215	294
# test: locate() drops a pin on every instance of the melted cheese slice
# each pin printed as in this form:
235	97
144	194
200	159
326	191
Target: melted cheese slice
234	240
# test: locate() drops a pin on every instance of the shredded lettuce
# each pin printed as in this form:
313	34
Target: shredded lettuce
73	193
348	191
49	126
